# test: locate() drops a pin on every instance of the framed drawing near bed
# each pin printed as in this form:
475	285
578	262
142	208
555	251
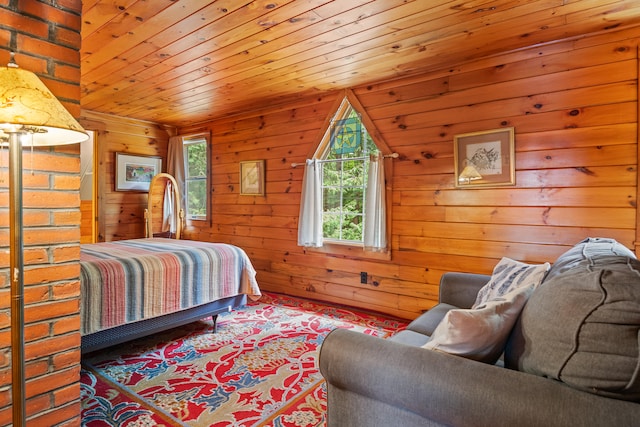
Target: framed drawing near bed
252	178
484	159
134	172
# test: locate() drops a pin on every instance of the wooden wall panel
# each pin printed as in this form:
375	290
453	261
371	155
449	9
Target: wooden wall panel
574	108
121	213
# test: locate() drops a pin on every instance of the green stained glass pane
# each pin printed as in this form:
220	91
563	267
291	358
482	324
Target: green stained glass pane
346	135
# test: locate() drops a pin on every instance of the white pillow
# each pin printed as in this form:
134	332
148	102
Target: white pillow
510	274
481	333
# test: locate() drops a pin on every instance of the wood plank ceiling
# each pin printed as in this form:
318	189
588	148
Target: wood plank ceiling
182	62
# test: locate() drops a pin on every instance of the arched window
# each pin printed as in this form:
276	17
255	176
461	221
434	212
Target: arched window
344	199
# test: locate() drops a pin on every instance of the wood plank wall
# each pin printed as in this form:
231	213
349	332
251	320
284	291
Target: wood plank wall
573	104
121	213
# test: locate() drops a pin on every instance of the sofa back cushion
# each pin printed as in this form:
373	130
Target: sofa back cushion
582	324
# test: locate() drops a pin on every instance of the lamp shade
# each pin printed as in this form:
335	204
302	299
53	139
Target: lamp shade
469	173
27	105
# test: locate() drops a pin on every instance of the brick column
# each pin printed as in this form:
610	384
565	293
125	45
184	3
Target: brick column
45	35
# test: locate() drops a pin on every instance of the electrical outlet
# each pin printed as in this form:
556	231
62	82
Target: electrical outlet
363	277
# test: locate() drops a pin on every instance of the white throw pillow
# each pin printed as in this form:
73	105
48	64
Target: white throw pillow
480	334
510	274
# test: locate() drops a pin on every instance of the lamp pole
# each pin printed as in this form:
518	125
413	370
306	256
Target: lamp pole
16	267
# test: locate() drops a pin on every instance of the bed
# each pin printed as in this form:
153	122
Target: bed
133	288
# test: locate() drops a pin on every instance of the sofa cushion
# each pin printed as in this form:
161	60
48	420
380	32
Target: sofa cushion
582	326
411	338
426	323
481	333
508	275
581	254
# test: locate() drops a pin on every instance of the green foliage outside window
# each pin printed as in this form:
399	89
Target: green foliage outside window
196	179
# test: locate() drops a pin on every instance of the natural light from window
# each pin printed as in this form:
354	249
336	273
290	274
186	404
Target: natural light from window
345	165
195	155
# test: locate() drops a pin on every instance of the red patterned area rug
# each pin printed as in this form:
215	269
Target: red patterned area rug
259	369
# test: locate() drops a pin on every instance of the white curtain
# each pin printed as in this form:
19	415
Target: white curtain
168	214
375	216
310	219
176	165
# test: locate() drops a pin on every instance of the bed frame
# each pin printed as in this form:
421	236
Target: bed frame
130	331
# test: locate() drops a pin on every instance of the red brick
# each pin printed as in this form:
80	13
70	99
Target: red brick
62	90
37	368
5	39
36	331
5	413
62	218
51	346
65	290
66	182
53	309
5	303
67	38
35	256
41	199
67	415
66	325
47	383
24	23
30	217
50	14
31	63
45	160
56	53
49	273
5	374
66	253
37	293
4	353
41	236
66	72
34	180
38	404
66	359
67	394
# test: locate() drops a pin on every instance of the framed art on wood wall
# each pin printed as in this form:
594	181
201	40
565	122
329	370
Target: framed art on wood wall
252	178
485	159
134	172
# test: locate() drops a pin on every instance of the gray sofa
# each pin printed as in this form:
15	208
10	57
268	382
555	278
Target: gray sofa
566	363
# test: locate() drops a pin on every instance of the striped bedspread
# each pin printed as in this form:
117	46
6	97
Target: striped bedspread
130	280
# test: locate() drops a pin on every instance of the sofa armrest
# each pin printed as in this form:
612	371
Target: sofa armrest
461	289
449	390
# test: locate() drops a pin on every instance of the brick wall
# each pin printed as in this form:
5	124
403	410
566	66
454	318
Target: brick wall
45	35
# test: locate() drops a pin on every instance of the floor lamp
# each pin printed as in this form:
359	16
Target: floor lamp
29	115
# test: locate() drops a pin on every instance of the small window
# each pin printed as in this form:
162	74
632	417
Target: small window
196	166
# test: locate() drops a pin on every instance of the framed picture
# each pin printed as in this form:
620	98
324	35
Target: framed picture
484	159
134	173
252	178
